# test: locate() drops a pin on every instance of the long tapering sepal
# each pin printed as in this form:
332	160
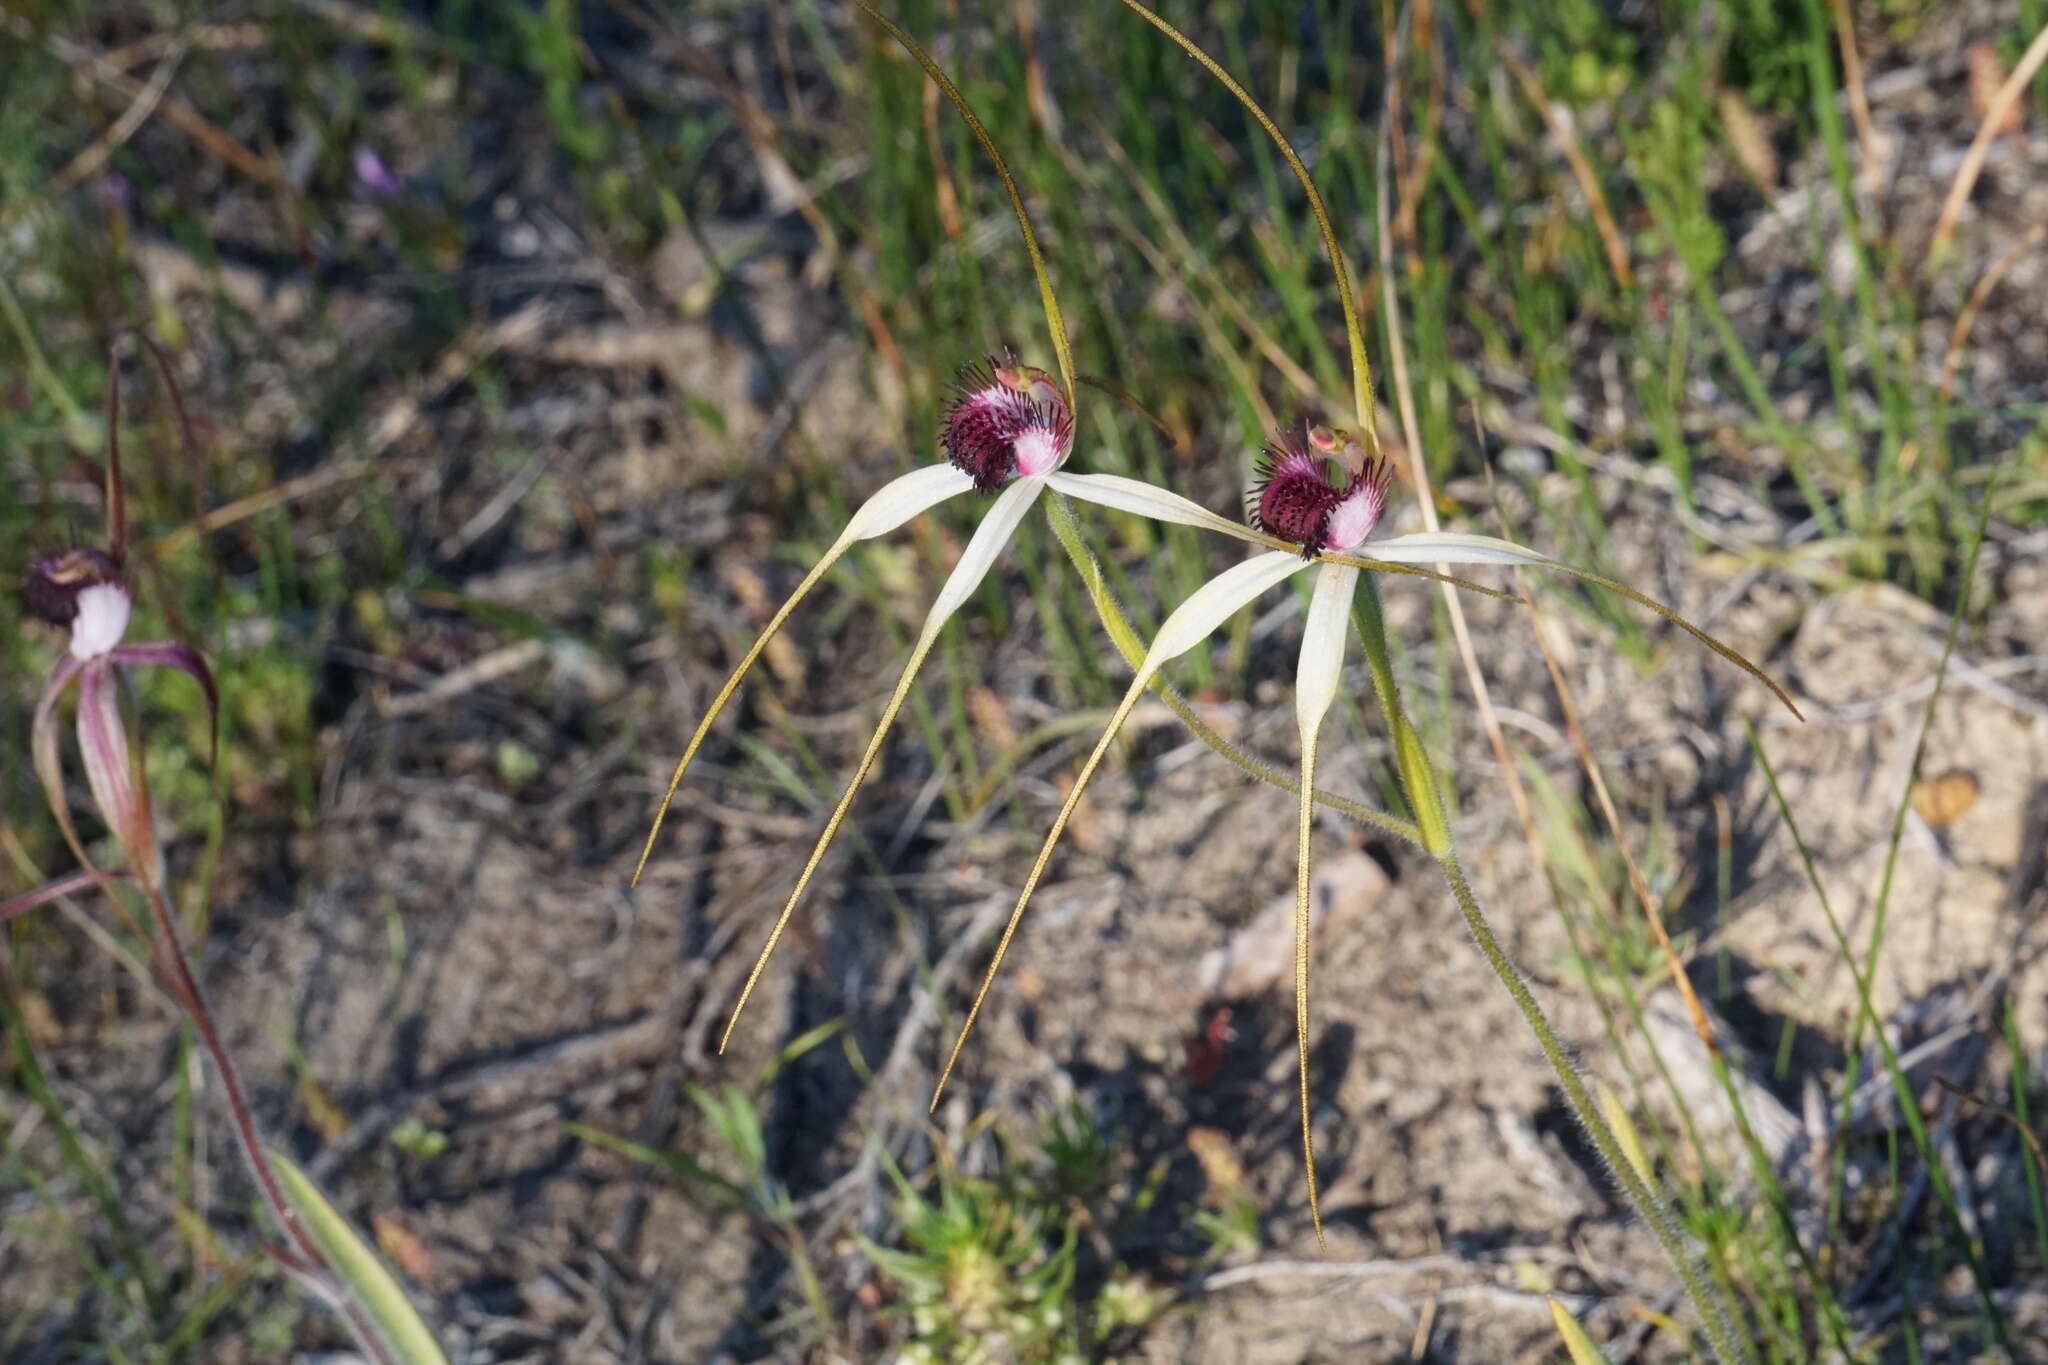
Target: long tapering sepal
1194	621
1322	659
1452	547
897	502
1004	516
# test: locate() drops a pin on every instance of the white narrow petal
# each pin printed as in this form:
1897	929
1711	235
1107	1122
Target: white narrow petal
1004	515
1142	499
1215	602
903	498
1450	547
1322	648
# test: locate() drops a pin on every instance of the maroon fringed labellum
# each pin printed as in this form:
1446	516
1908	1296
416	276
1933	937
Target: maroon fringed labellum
1005	420
1295	500
54	584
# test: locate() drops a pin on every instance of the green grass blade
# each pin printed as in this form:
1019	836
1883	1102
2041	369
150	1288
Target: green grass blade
397	1323
1576	1343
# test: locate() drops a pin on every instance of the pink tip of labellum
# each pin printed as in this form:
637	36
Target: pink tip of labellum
1005	419
1295	500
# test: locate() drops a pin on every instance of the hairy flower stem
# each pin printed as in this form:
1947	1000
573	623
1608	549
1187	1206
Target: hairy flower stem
1059	511
1418	779
307	1260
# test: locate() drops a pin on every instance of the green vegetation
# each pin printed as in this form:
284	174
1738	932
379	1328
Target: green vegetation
1556	200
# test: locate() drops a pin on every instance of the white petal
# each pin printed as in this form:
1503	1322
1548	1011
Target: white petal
901	499
1450	547
1322	648
997	526
1215	602
1142	499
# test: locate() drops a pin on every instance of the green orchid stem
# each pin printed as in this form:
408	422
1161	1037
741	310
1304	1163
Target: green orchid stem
1059	511
1418	779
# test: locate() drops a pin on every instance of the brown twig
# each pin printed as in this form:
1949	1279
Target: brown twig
1640	884
1859	100
195	124
1966	320
1036	93
1993	123
1582	169
944	196
141	105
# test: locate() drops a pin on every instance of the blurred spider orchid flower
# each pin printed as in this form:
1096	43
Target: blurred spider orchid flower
85	593
82	591
1328	524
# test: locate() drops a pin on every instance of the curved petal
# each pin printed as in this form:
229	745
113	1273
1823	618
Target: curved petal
109	771
43	752
1215	602
895	503
903	498
1142	499
187	660
1453	547
1004	516
1450	547
1192	622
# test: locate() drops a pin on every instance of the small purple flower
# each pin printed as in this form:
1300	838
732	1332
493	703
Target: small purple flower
373	176
114	191
1295	500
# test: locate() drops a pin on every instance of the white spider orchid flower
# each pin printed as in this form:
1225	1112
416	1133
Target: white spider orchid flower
1007	431
1331	524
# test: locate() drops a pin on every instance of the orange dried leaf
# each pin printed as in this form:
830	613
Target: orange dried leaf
410	1254
1941	801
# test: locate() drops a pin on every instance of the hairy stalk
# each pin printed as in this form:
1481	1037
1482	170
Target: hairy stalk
1419	781
1059	511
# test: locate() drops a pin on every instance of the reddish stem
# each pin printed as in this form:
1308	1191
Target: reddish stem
311	1261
